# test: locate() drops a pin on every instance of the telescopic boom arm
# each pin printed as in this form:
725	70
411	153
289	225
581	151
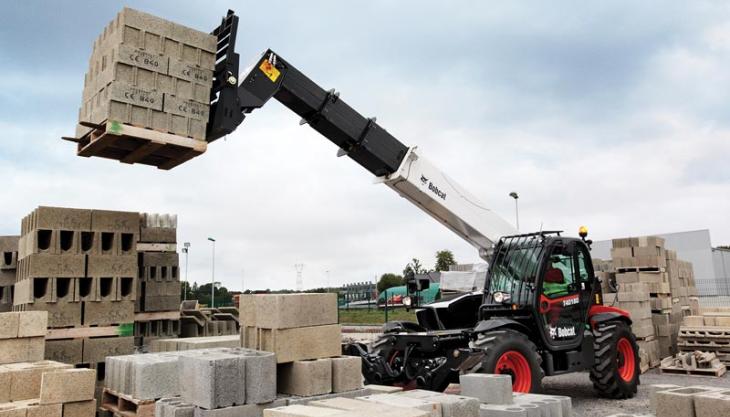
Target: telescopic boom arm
396	165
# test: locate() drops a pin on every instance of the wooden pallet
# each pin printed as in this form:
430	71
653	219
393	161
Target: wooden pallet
714	372
156	247
136	145
705	332
126	406
84	332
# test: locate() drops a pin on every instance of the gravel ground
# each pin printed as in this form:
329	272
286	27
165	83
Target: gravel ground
586	404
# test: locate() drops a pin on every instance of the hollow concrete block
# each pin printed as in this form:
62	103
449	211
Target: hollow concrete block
305	378
398	400
679	402
487	388
67	385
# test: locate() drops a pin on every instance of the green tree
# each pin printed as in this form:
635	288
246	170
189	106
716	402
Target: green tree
415	267
444	259
388	281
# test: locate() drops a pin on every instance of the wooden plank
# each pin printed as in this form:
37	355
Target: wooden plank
156	247
142	152
82	332
160	315
715	372
177	161
154	135
97	144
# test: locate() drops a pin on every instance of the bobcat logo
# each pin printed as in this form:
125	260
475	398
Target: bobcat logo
424	180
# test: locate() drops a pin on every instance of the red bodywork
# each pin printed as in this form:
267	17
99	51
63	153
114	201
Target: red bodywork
598	309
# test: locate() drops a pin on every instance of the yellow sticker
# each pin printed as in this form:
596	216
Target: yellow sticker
269	70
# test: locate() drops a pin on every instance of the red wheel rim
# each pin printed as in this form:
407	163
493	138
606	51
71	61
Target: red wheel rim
626	360
515	364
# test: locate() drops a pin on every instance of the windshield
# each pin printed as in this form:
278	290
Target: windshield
514	267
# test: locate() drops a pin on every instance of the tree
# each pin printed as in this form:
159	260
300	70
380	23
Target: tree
414	267
389	281
444	259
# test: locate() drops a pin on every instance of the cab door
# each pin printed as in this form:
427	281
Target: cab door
560	307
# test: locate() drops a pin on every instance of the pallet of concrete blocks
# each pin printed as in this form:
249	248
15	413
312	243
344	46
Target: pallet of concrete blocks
693	363
57	392
715	339
494	392
695	400
633	297
8	265
293	326
146	95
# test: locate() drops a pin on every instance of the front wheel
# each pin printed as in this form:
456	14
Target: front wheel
615	372
511	353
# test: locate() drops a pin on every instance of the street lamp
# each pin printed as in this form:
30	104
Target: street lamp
186	249
514	195
212	277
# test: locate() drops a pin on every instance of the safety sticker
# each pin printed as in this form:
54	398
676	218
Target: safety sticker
269	70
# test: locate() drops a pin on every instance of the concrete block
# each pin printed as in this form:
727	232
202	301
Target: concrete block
497	410
106	313
260	376
679	401
305	378
59	314
5	381
59	218
451	405
115	221
151	376
383	389
53	265
488	388
398	400
97	349
35	409
712	405
300	411
9	323
80	409
346	373
25	383
285	311
349	404
247	410
12	410
292	400
21	350
65	350
301	343
213	379
67	385
112	266
33	323
653	389
558	404
158	235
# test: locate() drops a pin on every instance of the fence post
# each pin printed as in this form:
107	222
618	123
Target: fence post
386	306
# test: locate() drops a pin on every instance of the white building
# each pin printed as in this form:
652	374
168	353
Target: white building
711	266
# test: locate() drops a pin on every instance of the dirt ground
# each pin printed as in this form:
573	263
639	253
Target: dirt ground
586	404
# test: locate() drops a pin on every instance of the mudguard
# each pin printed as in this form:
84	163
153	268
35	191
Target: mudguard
402	327
501	323
601	313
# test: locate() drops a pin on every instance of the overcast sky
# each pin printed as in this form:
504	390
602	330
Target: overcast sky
614	115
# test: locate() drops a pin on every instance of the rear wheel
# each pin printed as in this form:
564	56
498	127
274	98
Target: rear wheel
511	353
615	372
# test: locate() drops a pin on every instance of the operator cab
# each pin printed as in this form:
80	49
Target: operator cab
542	276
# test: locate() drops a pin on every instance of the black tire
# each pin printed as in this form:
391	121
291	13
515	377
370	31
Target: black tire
500	344
609	378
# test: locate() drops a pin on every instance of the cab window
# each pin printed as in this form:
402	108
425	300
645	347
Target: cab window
560	274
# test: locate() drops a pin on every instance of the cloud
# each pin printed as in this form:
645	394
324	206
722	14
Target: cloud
594	115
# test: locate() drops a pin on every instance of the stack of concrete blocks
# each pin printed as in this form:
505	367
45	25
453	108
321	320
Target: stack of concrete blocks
8	265
494	392
31	386
708	332
648	274
194	343
201	322
81	267
159	272
152	73
605	273
692	401
22	336
47	389
302	330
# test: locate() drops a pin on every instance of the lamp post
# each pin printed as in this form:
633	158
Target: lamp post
212	277
186	249
514	195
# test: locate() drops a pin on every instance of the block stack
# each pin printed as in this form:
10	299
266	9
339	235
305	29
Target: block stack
158	287
208	322
707	332
31	386
650	282
81	267
302	330
8	266
152	73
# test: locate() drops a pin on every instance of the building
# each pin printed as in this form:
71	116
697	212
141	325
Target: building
711	265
